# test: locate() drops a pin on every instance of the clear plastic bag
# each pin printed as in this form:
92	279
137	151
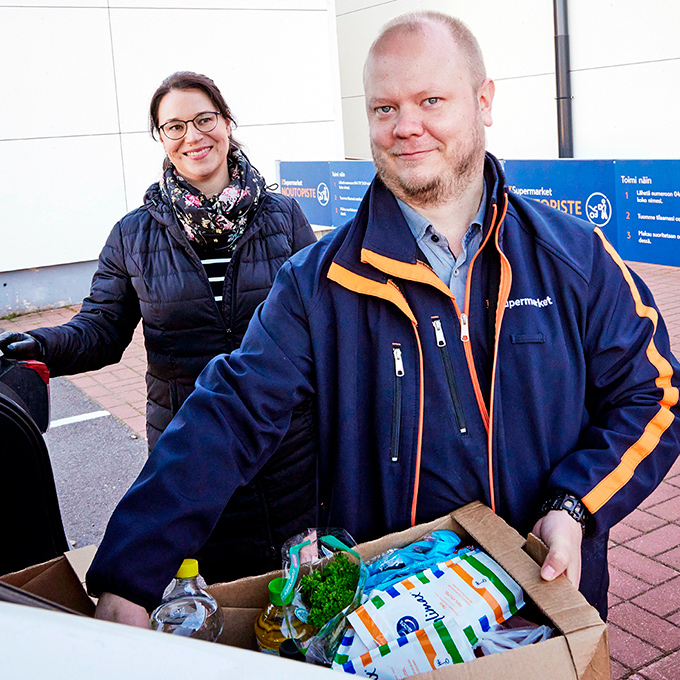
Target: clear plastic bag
312	551
502	639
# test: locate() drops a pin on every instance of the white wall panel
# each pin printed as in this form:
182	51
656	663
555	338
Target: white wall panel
268	5
623	32
619	113
60	197
57	73
273	68
356	127
267	144
54	3
142	161
524	119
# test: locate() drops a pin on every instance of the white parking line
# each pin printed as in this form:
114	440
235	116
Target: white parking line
78	419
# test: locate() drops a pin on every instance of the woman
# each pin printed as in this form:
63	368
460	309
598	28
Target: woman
193	262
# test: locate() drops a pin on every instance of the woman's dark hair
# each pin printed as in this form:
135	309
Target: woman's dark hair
187	80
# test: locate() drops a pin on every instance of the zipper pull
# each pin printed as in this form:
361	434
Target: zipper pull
464	328
438	332
398	363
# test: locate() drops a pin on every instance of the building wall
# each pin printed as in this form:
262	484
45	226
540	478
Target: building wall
77	77
625	61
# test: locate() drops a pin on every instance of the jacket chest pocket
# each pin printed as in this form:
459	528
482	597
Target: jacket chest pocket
527	338
450	375
397	402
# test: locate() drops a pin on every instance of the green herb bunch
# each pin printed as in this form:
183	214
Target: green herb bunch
328	591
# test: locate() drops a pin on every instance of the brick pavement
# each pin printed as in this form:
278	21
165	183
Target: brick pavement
644	619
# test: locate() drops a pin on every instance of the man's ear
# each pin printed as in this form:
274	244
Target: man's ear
485	95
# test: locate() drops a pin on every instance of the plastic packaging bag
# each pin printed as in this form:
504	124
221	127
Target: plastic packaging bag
426	649
309	554
399	563
502	639
472	589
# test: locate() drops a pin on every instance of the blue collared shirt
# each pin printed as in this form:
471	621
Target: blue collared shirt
451	270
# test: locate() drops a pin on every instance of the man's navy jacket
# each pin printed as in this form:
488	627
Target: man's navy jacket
554	373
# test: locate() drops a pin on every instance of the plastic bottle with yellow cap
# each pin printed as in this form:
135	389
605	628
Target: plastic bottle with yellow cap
187	609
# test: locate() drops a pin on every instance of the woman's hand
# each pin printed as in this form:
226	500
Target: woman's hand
112	607
20	346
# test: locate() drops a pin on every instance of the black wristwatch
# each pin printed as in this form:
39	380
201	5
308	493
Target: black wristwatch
568	502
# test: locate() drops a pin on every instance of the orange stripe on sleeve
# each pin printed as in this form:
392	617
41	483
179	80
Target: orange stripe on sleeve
655	428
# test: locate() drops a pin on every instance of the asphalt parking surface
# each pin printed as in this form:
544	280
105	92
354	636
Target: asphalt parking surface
94	462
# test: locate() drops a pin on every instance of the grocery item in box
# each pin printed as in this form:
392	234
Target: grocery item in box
350	647
437	645
472	589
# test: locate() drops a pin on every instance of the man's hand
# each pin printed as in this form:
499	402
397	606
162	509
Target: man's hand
115	608
562	534
20	346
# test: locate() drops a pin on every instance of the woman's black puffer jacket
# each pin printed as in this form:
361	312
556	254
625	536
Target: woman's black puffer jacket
147	269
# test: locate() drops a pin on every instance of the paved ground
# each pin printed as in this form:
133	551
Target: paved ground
644	620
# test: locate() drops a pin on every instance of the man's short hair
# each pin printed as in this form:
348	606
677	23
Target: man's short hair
462	35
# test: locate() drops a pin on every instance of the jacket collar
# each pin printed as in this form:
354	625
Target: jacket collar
379	244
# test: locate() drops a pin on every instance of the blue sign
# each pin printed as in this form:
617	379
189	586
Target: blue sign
648	200
329	192
635	203
584	189
350	181
308	183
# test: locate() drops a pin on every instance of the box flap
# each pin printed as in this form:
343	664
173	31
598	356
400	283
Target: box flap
57	581
586	648
488	529
18	578
80	560
599	667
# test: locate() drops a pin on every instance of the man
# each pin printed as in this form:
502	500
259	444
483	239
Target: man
459	343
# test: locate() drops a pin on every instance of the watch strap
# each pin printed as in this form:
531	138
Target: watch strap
569	503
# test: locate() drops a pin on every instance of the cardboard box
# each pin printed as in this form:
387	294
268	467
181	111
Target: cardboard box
60	581
578	651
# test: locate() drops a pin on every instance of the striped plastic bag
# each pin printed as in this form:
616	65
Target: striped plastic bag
440	644
472	590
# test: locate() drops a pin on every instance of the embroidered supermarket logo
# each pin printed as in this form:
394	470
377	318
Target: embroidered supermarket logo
431	614
529	302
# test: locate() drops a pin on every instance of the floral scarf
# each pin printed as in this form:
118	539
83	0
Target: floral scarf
218	221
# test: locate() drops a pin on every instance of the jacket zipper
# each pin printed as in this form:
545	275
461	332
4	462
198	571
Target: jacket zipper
397	403
448	370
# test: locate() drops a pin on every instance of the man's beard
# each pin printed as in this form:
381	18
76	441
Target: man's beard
462	171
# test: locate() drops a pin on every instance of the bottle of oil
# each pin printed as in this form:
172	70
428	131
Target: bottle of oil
271	627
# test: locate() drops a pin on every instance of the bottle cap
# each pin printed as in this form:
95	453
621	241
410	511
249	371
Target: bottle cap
275	587
290	650
189	569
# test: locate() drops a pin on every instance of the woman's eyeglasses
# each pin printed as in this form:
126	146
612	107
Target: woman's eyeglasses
203	122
